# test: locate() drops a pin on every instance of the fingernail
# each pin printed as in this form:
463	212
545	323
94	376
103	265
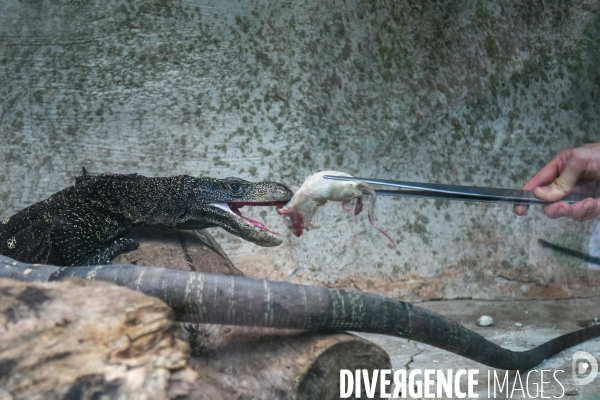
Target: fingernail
587	207
543	189
562	212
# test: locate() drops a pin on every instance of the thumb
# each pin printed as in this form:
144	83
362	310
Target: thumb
561	186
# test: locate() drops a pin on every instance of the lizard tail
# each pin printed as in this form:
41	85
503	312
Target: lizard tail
198	297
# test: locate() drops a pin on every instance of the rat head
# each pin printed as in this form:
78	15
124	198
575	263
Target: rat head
293	219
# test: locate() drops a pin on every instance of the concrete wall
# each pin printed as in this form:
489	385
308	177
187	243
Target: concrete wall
463	92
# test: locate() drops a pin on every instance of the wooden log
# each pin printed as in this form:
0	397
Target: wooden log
89	339
255	362
184	250
86	339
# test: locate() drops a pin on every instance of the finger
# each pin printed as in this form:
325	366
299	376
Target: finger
585	210
521	210
550	171
545	176
563	184
581	211
558	210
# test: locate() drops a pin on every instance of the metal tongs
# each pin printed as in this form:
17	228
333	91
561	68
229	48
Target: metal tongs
457	192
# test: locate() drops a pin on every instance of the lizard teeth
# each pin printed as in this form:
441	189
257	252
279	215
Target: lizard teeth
223	206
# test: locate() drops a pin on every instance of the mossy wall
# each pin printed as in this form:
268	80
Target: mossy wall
464	92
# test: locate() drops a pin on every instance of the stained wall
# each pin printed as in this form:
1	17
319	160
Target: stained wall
474	93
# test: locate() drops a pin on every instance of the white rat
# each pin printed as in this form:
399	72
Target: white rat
316	190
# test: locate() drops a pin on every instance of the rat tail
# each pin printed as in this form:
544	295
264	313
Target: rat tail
370	190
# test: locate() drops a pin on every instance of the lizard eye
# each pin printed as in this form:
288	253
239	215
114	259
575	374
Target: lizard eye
235	187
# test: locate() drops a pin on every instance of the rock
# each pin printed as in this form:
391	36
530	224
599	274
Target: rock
485	320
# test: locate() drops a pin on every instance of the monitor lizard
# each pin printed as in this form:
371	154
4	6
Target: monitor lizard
87	223
219	299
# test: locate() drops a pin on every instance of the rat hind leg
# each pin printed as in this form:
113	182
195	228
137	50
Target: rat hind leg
346	206
313	225
359	205
87	236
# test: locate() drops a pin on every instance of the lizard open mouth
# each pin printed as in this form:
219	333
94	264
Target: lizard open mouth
234	208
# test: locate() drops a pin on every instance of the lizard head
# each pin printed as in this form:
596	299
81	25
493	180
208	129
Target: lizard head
218	201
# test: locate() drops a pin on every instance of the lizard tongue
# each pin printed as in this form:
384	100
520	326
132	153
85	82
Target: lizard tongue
253	222
236	211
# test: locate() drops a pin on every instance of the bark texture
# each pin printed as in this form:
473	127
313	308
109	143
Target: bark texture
85	339
80	339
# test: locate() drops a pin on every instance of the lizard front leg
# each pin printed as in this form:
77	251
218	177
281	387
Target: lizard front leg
88	236
112	251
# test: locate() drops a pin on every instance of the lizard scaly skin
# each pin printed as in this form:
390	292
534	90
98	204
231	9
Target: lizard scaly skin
87	223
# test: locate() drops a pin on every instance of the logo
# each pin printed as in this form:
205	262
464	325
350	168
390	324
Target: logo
584	364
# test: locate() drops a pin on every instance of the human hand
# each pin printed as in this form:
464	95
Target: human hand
571	170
